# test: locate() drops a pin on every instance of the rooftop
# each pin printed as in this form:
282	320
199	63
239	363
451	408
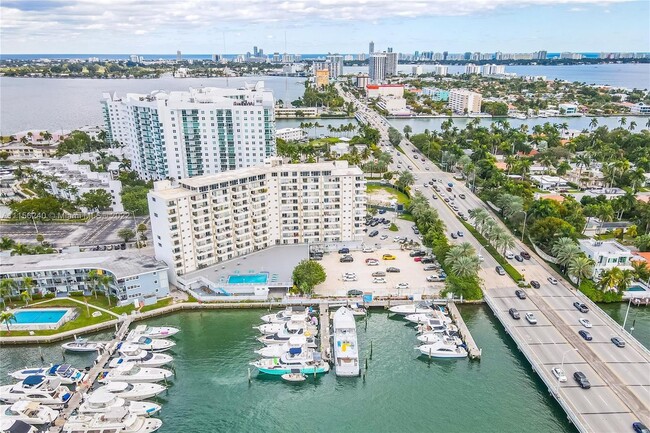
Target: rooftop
609	247
120	263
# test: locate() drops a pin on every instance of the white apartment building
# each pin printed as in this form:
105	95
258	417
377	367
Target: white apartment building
202	131
417	70
440	70
377	67
290	134
362	80
472	69
464	101
379	90
606	254
392	61
209	219
494	69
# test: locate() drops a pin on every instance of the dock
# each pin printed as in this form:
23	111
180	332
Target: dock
472	349
324	322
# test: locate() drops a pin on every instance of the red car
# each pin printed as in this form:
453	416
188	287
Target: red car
417	259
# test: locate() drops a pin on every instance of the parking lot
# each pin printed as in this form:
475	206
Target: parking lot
411	272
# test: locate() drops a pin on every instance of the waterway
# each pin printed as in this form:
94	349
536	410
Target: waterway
401	392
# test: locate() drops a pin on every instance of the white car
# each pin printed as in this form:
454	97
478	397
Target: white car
480	258
397	238
552	280
559	374
585	322
372	263
530	317
368	250
402	286
379	280
383	237
510	255
349	279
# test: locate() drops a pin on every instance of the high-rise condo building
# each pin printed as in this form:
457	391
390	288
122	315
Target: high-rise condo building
335	65
464	101
371	47
179	56
208	219
391	63
472	69
377	67
184	134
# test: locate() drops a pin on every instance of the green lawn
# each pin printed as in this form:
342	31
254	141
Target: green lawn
394	193
407	217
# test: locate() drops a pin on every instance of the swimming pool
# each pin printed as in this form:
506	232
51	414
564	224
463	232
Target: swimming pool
636	289
249	279
41	318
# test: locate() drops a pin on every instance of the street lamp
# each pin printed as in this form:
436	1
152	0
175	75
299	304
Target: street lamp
562	367
627	312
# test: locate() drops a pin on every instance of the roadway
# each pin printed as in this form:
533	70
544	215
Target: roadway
620	377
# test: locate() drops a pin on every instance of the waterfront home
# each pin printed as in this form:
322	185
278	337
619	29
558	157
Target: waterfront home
606	254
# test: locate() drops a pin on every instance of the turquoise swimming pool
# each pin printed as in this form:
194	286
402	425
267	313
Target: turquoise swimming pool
25	317
261	278
636	289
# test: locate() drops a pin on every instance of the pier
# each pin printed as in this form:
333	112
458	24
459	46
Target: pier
324	323
472	349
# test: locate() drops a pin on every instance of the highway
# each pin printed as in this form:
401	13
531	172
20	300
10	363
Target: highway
620	377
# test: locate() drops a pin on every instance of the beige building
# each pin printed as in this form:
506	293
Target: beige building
464	101
322	77
19	151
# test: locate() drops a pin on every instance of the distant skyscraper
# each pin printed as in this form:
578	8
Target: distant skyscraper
444	55
371	47
255	51
390	49
179	57
335	65
216	57
541	55
377	67
468	55
391	63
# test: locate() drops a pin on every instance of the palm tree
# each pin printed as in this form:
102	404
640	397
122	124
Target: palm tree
626	278
480	216
610	279
28	283
581	267
565	251
505	243
26	296
465	266
7	288
6	317
46	136
593	123
641	270
632	126
104	281
583	161
91	279
622	121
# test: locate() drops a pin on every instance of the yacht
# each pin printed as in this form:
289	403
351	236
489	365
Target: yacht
64	372
277	350
132	391
417	308
442	350
284	335
152	332
117	420
285	315
434	337
346	351
15	426
303	362
357	310
36	388
152	344
291	326
420	318
82	345
131	353
132	373
30	412
100	402
436	325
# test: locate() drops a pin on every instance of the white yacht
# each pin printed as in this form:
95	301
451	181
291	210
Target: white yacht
64	372
357	310
37	388
291	326
117	420
29	412
277	350
133	373
346	351
417	308
15	426
131	353
284	335
436	325
82	345
285	315
152	344
442	350
293	362
152	332
100	402
434	337
424	317
132	391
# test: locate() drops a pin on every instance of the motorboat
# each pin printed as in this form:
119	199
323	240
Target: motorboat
37	388
152	332
436	325
442	350
294	377
15	426
357	310
285	315
30	412
131	353
100	402
132	391
434	337
82	345
118	420
277	350
152	344
346	350
420	318
67	374
291	326
292	364
284	335
133	373
417	308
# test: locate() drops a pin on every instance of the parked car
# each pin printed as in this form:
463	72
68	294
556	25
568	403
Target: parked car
520	294
379	280
402	286
519	258
535	284
383	237
346	259
372	263
382	211
585	322
559	374
584	334
434	278
418	253
514	313
552	280
388	257
417	259
392	269
525	255
355	292
373	233
379	274
431	268
530	317
639	427
344	251
500	270
581	307
368	250
461	196
427	260
349	279
582	380
618	341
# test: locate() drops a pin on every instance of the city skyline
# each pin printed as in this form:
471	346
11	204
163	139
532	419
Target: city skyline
78	26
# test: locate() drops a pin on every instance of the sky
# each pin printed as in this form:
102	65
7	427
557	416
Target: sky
321	26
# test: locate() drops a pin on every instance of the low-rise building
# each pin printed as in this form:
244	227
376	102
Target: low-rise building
282	112
393	105
436	94
606	254
464	101
568	108
18	151
639	108
132	274
548	183
377	90
290	134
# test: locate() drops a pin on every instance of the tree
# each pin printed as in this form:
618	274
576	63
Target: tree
407	131
104	281
641	270
307	274
565	251
405	179
610	279
42	208
581	267
466	266
92	279
26	296
7	317
97	199
134	199
40	238
126	234
7	288
394	136
545	231
642	242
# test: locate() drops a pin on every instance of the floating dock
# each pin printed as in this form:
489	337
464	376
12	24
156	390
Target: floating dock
324	322
472	349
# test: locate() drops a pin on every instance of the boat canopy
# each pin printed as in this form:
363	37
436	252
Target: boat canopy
35	380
